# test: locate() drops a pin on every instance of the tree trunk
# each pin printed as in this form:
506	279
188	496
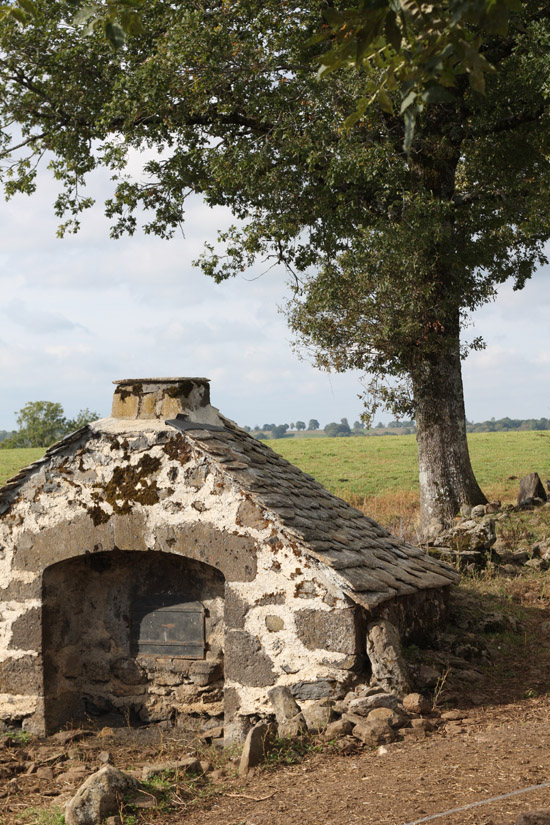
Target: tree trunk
446	477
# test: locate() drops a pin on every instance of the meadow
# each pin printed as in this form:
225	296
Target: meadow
380	475
11	461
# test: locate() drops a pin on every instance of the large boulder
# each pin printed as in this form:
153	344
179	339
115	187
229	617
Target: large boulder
389	669
531	487
98	797
467	544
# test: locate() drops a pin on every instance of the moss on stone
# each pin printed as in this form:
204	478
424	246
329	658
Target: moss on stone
177	449
131	485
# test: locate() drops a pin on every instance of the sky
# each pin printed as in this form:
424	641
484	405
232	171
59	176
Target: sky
79	312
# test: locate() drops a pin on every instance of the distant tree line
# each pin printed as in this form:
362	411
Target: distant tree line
342	429
502	424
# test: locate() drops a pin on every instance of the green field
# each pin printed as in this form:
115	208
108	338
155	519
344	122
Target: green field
368	467
11	461
381	473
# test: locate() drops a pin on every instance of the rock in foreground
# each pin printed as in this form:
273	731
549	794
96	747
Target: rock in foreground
98	797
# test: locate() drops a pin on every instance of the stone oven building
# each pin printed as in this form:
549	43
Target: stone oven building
163	563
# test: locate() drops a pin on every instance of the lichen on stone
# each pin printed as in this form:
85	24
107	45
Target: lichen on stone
131	485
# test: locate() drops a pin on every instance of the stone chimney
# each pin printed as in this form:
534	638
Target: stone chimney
162	398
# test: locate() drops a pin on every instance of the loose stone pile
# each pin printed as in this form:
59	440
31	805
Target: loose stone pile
472	542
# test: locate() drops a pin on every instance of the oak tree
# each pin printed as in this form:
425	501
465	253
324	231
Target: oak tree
389	249
41	423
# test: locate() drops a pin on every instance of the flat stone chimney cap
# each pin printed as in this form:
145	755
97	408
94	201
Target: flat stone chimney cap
161	398
160	380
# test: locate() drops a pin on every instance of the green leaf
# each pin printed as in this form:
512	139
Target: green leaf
351	120
477	80
115	34
436	94
410	123
384	101
84	14
408	101
333	17
393	32
19	15
29	7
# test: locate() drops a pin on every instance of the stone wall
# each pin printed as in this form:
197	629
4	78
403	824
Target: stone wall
418	616
137	489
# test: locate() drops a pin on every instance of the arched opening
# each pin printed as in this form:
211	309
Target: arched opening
132	637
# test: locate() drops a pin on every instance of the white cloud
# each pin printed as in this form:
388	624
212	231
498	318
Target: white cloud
37	320
80	312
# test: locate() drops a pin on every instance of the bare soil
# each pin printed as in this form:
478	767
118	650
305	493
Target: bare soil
501	744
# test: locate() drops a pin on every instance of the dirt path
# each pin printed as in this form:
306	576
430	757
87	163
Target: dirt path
493	751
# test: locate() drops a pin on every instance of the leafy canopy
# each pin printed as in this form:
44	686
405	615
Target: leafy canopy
42	423
389	250
417	49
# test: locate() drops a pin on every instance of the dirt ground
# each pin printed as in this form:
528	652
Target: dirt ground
491	752
501	744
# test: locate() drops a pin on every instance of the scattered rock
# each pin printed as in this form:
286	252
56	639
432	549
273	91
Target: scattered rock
515	557
76	774
189	765
364	704
374	732
454	727
413	733
255	747
44	773
64	737
467	544
423	724
492	623
388	717
509	569
346	745
540	817
531	487
427	676
366	690
98	797
537	564
389	669
211	734
478	511
452	715
143	800
338	729
105	757
292	727
284	703
416	703
318	715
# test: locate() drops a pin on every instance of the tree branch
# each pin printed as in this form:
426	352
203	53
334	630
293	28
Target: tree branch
510	123
23	143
